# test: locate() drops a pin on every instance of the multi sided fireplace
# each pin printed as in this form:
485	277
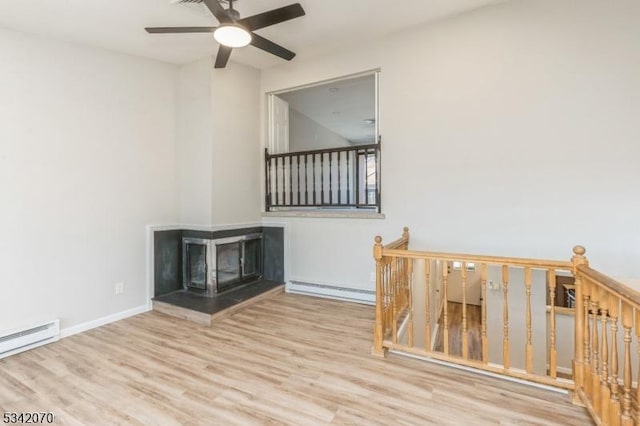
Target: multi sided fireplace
214	266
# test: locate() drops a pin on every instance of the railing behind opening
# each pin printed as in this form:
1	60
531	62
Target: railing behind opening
339	177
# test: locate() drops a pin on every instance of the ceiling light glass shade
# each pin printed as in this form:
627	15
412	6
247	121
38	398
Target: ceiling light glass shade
232	36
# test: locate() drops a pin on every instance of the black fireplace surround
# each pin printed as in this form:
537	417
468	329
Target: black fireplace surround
213	262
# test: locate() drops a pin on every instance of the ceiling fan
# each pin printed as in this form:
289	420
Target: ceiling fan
236	32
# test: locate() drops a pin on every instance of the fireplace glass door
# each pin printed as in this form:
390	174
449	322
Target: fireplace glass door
196	265
252	258
228	265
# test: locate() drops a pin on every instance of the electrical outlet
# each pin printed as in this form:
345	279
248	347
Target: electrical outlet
372	277
119	288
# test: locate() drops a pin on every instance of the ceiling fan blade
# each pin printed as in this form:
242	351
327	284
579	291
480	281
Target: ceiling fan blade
172	30
218	11
271	47
223	57
272	17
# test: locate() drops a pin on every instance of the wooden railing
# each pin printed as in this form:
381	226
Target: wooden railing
414	292
346	177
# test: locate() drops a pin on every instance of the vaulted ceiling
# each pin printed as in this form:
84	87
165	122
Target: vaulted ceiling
118	24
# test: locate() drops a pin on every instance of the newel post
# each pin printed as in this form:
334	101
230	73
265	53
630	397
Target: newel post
577	260
378	349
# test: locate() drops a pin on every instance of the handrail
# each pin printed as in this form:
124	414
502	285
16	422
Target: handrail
367	147
625	293
493	260
402	241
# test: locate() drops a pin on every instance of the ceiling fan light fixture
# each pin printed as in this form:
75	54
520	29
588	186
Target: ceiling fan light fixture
232	35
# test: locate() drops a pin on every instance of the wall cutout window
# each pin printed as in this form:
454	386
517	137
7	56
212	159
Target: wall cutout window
323	147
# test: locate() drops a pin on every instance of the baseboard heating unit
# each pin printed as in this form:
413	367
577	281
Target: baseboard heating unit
328	291
19	340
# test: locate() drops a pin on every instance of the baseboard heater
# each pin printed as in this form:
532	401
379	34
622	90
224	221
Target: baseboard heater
19	340
367	297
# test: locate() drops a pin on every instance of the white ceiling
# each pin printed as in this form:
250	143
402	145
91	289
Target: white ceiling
118	24
340	106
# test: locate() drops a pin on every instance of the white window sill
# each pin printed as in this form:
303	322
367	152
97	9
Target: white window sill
337	214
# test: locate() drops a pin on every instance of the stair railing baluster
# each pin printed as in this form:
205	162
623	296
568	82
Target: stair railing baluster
465	337
553	352
505	317
529	344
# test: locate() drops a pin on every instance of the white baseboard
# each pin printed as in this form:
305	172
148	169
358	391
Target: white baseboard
563	370
329	291
70	331
481	372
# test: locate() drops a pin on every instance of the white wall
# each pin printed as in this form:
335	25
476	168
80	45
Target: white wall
565	339
473	290
218	133
420	286
306	134
194	143
235	92
519	119
517	318
86	161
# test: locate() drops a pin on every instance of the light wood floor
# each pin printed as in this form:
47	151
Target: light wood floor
284	360
474	330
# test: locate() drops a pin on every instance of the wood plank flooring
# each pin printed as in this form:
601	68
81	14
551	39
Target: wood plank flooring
288	359
474	330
